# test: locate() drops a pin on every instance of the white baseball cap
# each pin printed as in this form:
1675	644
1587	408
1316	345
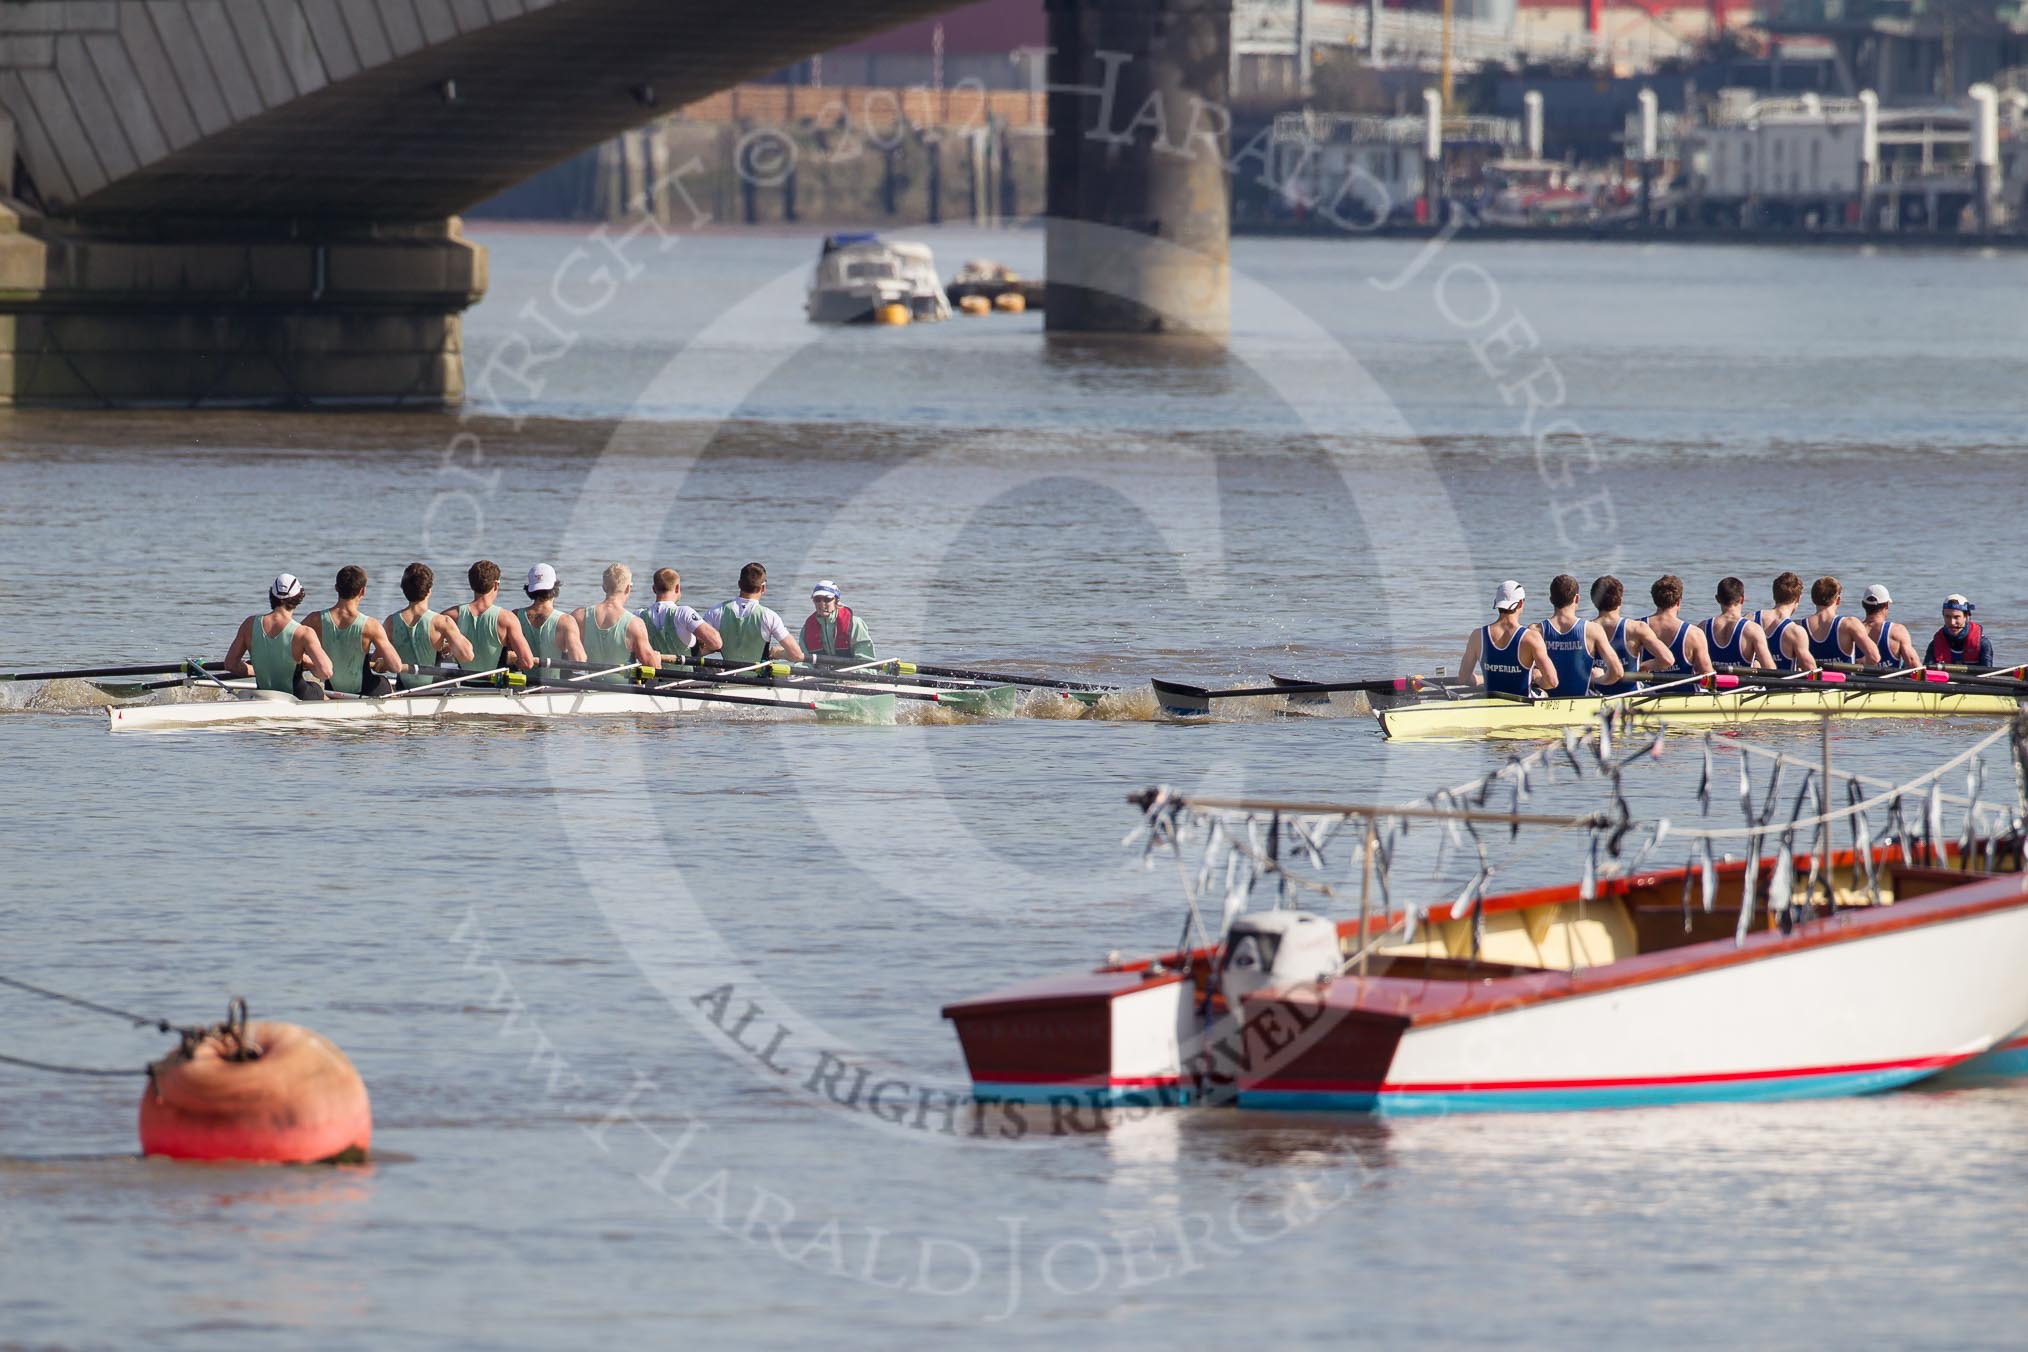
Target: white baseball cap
1509	595
540	578
285	587
825	588
1876	595
1957	601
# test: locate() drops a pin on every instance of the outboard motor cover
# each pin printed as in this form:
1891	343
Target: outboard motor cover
1277	948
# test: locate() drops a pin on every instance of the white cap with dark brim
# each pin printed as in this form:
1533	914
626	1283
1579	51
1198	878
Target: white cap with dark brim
1509	595
825	588
285	587
1957	601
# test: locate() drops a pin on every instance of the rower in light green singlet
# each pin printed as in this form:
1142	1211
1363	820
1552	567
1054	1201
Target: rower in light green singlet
350	637
607	646
346	646
423	637
273	648
746	627
274	661
481	629
551	634
495	634
414	642
613	635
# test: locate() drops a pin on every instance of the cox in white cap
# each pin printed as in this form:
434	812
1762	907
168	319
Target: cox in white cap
541	578
1876	595
285	587
1509	594
1957	601
825	588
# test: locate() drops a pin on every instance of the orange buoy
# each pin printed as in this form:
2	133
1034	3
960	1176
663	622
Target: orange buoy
892	314
266	1092
975	305
1010	302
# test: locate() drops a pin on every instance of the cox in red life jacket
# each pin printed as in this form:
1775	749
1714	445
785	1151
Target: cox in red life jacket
1940	651
841	624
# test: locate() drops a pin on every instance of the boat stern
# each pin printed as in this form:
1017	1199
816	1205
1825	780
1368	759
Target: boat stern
1104	1039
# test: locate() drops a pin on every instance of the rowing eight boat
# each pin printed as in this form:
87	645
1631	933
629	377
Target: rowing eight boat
272	706
1492	717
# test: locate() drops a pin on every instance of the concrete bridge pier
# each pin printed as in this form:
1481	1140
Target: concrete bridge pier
233	313
1139	137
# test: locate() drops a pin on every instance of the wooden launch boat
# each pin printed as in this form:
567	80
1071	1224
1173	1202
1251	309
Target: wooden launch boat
1544	999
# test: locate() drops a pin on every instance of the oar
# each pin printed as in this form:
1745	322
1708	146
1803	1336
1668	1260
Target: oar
88	673
515	678
1189	700
997	702
116	688
978	700
858	707
968	674
1846	676
1994	680
502	678
1713	682
1960	669
1302	692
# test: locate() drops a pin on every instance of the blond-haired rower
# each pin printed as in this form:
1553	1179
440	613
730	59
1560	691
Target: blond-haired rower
614	636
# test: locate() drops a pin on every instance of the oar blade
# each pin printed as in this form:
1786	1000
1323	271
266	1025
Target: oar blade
1299	696
1184	701
868	710
1000	701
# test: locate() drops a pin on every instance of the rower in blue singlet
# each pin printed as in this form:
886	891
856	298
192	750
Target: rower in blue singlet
1725	653
1744	644
1834	637
1631	640
1505	666
1573	643
1618	642
1776	621
1685	640
1567	654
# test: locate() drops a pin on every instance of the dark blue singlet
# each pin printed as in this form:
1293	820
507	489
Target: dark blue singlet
1782	662
1502	666
1572	662
1726	653
1681	666
1630	679
1826	649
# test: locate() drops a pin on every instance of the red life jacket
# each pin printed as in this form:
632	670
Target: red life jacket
1940	646
841	633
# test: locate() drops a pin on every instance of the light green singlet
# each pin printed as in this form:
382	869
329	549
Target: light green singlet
483	633
273	657
663	638
742	640
343	647
541	637
413	644
606	647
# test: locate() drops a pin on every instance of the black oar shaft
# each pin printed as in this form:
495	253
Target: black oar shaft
993	677
1381	686
87	673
